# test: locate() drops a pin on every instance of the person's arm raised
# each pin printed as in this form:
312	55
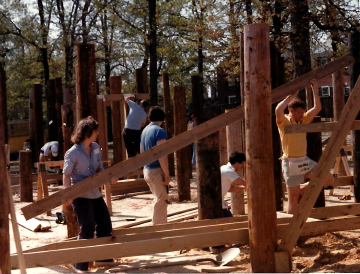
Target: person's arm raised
317	103
279	111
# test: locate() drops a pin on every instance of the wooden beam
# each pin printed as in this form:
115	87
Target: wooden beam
25	174
317	127
172	145
115	88
344	181
36	131
51	110
43	182
113	97
318	73
92	252
335	211
58	103
322	170
259	149
103	134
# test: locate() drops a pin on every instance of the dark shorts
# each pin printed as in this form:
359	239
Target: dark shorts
227	213
132	140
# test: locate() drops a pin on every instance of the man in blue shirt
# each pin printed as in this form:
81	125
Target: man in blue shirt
134	122
156	174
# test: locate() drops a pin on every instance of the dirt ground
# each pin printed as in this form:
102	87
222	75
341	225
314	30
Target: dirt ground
332	252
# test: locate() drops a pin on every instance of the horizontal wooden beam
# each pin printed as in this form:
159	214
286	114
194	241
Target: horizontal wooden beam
50	176
316	127
343	181
318	73
168	244
182	140
335	211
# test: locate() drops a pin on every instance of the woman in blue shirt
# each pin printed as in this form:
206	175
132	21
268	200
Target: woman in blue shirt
83	160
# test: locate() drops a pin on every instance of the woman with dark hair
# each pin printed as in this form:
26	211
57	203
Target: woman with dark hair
83	160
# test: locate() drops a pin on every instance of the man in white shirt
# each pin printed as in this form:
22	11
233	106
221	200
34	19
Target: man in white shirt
48	151
230	180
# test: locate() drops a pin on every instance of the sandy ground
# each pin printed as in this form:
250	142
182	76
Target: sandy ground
332	252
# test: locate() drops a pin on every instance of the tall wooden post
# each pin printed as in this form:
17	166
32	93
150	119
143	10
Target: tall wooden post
182	156
234	143
259	150
26	167
354	47
59	102
223	149
36	121
277	79
103	138
207	161
169	119
51	111
86	91
141	80
68	122
5	266
115	88
338	93
3	101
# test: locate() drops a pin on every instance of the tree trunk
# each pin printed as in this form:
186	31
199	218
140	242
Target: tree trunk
36	121
153	52
3	102
51	111
300	39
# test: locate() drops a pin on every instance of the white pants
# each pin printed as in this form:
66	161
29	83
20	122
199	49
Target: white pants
154	179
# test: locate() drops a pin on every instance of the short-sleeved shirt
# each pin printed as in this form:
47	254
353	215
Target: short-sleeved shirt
137	116
151	134
293	144
46	148
80	165
228	175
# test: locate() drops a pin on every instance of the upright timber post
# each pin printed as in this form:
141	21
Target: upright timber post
3	100
115	88
141	80
103	137
86	91
59	102
25	176
51	111
36	121
277	79
234	143
68	122
169	119
207	161
259	150
354	47
182	155
223	150
5	265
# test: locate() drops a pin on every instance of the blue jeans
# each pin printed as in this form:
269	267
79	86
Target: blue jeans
227	213
93	216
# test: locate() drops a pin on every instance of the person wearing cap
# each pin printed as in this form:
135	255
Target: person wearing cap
134	122
48	151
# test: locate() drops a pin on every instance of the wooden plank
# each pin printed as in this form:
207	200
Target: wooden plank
322	170
25	182
119	197
172	145
32	224
113	97
54	164
167	244
335	211
282	262
317	127
318	73
44	185
344	181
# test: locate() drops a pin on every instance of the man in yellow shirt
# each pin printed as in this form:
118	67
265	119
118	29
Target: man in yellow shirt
296	166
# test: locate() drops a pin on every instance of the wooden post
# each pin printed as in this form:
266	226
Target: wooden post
314	152
68	120
141	85
36	121
115	88
103	137
277	79
3	101
169	119
207	161
354	48
4	201
43	182
182	156
223	150
25	177
86	91
59	102
259	149
51	111
235	143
